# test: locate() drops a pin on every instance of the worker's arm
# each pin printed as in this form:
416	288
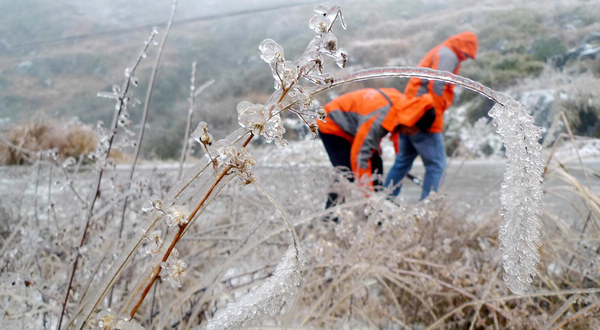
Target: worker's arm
366	142
443	92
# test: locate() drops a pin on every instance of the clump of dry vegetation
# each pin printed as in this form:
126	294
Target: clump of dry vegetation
21	143
426	266
383	265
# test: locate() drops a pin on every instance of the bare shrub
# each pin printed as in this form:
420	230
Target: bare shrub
80	140
581	102
70	139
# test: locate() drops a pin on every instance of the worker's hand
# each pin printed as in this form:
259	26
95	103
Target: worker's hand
424	124
405	130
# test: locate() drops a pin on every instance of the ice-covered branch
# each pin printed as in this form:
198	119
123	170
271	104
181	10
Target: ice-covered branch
521	191
521	188
410	72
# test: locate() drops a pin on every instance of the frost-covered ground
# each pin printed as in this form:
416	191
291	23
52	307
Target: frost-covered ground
43	219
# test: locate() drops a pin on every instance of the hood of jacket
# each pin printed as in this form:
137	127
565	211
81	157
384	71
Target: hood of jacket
463	44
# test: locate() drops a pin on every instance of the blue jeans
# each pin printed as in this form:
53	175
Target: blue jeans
430	146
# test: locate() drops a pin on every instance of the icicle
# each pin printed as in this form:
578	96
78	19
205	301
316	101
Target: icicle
521	193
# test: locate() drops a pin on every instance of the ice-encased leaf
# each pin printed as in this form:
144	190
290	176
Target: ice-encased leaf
252	116
318	23
321	10
270	51
201	135
341	57
324	18
267	299
329	41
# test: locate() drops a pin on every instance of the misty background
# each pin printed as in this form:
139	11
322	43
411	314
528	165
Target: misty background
55	56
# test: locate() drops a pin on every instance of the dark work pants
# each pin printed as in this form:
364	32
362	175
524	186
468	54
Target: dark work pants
338	150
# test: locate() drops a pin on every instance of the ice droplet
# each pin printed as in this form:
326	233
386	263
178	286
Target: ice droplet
69	162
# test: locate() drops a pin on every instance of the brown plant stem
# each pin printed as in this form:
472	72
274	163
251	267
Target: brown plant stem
180	233
175	240
285	91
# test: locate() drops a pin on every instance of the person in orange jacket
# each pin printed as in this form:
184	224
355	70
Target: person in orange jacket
429	144
355	124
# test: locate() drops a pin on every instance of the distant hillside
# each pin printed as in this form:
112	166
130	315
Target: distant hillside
54	57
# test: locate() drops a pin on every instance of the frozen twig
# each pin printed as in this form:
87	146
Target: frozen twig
121	98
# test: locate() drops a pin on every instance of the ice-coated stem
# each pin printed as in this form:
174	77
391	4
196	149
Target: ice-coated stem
181	231
521	194
409	72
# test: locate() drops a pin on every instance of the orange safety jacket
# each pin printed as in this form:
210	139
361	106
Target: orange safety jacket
444	57
365	116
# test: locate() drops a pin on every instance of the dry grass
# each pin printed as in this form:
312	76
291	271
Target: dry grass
383	265
21	143
424	266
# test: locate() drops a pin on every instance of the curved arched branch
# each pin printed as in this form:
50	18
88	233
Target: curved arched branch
521	191
416	72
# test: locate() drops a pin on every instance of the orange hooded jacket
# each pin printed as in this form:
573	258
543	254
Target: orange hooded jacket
365	116
444	57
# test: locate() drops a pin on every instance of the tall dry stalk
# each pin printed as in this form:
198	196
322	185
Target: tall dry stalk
121	103
145	111
188	122
194	92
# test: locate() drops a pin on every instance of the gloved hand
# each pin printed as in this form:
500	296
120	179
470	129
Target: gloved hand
425	122
406	130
